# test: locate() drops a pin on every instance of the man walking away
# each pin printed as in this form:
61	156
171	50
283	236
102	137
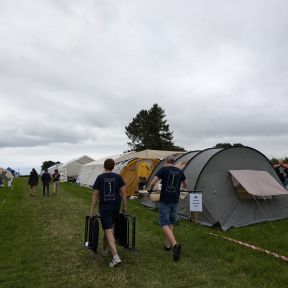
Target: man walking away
46	178
109	188
171	179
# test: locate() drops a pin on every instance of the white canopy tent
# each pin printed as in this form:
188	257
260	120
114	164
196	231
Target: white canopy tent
89	172
71	169
52	168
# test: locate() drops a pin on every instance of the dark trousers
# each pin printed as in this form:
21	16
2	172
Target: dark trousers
46	188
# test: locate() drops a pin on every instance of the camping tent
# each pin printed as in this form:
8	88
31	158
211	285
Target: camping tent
146	154
90	171
52	168
13	172
181	160
6	173
134	167
239	187
71	169
135	173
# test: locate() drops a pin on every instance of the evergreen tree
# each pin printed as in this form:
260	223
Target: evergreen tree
222	145
149	130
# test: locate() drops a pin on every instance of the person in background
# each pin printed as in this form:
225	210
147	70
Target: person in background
171	179
46	178
10	183
33	182
56	180
3	178
282	172
109	188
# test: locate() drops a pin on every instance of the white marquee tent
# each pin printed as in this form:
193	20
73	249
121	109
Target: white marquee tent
89	172
71	169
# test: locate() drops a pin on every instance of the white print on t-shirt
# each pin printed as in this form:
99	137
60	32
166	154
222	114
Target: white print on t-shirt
172	182
109	189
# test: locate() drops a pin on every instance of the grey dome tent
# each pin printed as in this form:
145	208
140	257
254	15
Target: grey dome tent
181	161
239	187
161	164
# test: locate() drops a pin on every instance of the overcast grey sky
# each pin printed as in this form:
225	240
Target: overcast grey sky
73	74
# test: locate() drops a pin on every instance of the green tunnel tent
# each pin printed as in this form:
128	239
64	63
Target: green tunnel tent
239	187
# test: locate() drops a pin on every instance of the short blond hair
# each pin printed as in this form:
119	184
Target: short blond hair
170	159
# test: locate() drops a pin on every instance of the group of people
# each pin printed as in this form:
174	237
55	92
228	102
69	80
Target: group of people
109	190
46	178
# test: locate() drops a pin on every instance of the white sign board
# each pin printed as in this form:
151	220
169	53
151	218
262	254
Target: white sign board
195	202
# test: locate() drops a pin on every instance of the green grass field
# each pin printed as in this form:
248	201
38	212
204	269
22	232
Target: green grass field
41	245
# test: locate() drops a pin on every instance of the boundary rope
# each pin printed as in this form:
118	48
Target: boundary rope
253	247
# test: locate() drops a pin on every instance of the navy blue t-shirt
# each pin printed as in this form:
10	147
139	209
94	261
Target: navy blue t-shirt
171	182
109	185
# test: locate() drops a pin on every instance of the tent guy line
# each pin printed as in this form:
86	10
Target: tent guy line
2	203
253	247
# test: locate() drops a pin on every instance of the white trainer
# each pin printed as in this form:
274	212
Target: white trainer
115	261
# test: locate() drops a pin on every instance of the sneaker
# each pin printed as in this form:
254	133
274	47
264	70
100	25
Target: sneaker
115	261
176	252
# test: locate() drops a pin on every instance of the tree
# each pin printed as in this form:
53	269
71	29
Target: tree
285	160
48	164
149	130
226	145
274	161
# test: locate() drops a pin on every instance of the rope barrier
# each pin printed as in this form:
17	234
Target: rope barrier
281	257
7	198
2	203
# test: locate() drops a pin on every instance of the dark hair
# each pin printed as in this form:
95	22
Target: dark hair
46	170
56	170
109	164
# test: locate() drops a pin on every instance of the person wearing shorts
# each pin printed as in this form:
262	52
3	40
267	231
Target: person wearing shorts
109	189
172	178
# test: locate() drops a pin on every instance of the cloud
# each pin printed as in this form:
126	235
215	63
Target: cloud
74	74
